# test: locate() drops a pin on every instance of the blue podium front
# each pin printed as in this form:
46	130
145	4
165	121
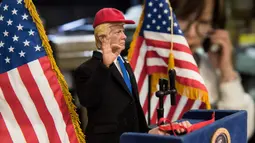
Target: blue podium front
230	126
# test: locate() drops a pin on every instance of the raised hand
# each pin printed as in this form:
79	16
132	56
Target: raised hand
110	51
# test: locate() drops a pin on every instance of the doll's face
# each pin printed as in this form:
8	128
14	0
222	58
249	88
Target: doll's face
117	35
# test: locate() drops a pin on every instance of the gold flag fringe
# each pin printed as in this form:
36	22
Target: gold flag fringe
67	96
137	31
183	90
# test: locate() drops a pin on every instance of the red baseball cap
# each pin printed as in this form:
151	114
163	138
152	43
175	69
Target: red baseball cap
110	15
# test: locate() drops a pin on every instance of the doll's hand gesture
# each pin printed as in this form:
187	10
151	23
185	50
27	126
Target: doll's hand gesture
110	51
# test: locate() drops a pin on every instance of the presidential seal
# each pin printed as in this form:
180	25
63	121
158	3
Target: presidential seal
221	135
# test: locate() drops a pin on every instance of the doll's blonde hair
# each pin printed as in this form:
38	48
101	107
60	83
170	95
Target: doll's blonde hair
101	30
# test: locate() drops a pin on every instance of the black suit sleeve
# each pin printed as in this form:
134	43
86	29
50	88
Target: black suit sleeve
90	84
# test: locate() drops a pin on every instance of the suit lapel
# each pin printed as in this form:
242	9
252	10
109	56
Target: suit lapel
132	80
116	74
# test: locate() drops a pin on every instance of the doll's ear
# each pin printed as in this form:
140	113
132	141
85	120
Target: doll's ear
101	38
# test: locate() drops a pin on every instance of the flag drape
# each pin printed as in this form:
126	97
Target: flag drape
158	31
35	104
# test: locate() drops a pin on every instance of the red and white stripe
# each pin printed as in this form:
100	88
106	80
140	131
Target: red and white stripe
150	55
32	105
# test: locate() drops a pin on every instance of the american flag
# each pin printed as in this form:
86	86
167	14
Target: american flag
149	55
34	104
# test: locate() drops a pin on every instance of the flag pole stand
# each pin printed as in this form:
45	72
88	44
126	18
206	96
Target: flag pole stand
149	101
164	91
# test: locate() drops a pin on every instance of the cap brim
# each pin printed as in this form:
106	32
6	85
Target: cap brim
118	21
129	22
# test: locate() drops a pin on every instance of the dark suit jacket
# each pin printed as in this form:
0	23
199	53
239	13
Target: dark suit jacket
112	109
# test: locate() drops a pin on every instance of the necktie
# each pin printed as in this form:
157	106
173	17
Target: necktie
124	73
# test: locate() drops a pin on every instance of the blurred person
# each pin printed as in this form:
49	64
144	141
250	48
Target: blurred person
203	22
106	85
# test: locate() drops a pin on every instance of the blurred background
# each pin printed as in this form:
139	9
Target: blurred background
68	24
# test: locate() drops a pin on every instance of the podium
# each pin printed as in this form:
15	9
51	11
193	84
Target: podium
230	126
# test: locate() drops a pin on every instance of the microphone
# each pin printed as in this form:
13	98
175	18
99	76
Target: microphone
172	74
